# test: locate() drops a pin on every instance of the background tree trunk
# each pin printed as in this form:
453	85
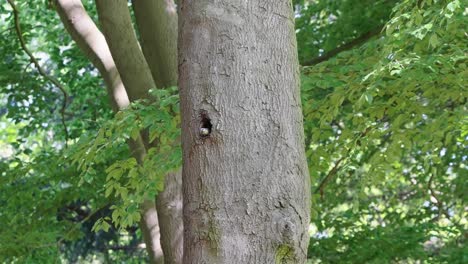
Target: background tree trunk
157	25
169	205
151	233
94	45
245	177
116	24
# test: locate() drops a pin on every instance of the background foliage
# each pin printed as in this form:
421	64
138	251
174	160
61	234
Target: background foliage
384	101
386	125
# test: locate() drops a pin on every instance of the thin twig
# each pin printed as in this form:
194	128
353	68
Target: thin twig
41	70
347	46
320	189
330	174
24	70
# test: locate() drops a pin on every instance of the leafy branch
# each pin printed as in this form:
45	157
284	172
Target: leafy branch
41	70
438	202
337	166
330	174
347	46
71	230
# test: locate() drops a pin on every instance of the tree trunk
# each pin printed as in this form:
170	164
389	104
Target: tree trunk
149	223
245	178
169	205
150	229
115	20
93	44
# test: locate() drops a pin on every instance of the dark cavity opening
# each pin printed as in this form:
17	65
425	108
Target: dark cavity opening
205	124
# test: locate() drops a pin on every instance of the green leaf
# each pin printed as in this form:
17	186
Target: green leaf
434	41
368	96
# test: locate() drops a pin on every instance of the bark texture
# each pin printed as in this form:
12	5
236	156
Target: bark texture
169	205
245	177
150	229
157	24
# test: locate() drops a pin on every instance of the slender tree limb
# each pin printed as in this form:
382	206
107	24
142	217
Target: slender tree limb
330	175
347	46
116	24
24	70
337	166
122	248
92	43
41	70
157	25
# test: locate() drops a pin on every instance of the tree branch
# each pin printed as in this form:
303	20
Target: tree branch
117	27
320	189
123	248
327	178
157	24
347	46
438	202
93	44
41	70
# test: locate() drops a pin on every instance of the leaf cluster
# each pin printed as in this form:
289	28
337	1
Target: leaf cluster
386	140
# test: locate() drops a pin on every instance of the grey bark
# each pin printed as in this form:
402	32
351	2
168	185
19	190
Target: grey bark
149	225
246	183
116	24
169	206
93	44
157	24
